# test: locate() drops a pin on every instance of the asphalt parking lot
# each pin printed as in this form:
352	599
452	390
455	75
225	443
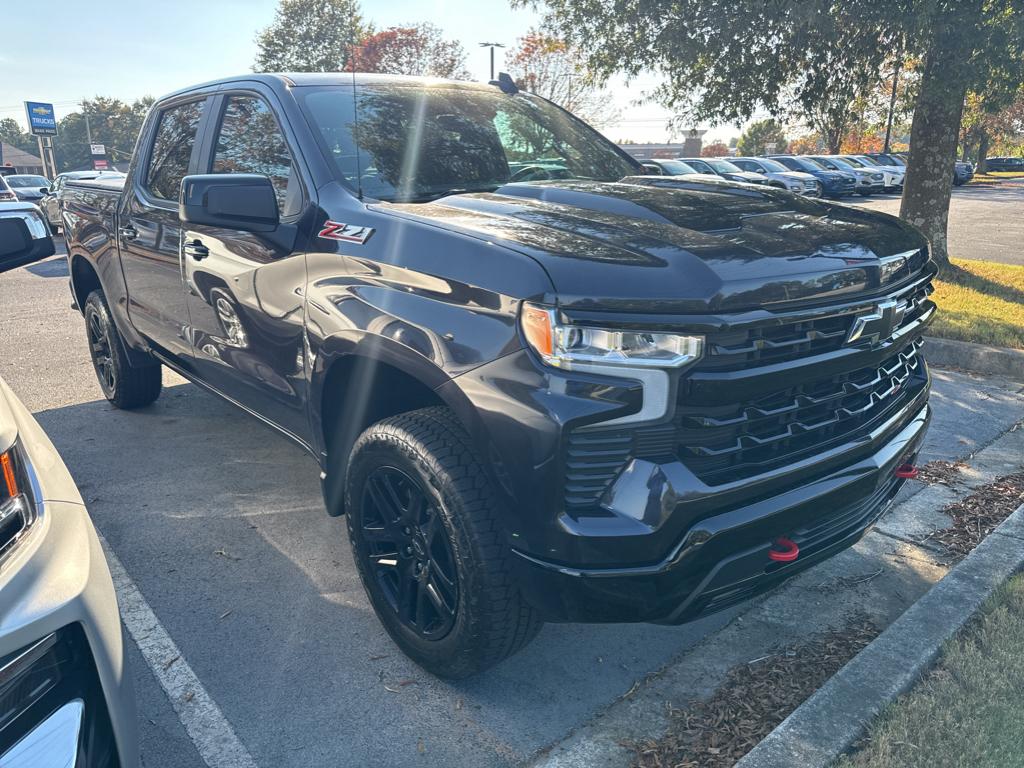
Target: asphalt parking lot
984	220
219	523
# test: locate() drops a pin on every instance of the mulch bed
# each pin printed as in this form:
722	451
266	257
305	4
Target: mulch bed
939	471
754	698
976	516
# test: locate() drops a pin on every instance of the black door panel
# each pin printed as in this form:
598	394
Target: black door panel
149	233
244	289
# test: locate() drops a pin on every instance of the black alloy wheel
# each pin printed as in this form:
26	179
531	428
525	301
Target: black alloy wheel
126	382
409	552
100	345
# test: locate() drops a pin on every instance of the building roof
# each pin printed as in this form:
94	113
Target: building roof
18	158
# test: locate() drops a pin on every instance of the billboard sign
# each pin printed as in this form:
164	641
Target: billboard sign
97	149
41	119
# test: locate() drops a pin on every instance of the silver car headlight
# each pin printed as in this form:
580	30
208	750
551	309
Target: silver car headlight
571	346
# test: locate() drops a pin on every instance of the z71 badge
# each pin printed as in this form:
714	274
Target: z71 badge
349	233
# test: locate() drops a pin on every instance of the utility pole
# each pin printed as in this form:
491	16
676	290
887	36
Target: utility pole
492	46
892	104
88	130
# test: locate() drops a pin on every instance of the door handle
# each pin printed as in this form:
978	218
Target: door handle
128	233
197	250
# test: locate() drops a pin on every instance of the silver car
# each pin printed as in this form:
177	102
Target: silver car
892	174
65	696
780	176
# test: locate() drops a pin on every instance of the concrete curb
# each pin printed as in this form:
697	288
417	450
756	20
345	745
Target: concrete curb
993	361
837	714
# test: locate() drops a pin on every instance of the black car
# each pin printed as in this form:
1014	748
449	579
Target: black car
1004	164
541	385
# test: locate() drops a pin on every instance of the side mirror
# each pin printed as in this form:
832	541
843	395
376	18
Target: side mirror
23	239
243	201
46	190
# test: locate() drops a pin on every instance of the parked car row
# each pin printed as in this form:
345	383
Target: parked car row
817	175
809	175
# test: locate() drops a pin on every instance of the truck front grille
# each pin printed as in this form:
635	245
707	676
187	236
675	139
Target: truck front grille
735	441
742	349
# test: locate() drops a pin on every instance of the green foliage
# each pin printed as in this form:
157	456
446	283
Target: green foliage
113	123
11	133
311	36
760	133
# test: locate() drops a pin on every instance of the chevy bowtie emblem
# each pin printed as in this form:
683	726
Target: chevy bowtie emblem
877	324
349	233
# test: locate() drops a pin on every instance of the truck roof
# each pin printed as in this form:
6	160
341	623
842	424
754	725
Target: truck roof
283	80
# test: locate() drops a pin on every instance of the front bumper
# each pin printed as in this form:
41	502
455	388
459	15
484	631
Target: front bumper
57	601
723	559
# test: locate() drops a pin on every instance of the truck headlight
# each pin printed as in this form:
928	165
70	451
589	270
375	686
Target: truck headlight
569	346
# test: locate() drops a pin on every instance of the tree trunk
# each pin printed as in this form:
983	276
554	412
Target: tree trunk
935	129
982	152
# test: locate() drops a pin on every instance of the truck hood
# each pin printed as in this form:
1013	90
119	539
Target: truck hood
666	245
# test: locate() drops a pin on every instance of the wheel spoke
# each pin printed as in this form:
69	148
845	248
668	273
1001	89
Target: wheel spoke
384	559
433	528
377	534
421	605
443	602
385	500
406	594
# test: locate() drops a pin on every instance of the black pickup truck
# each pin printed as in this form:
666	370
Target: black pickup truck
541	385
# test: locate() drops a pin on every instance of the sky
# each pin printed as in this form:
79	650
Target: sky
62	51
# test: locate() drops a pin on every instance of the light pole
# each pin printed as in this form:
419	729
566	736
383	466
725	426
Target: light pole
492	46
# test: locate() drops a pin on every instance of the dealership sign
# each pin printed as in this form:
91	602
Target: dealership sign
41	120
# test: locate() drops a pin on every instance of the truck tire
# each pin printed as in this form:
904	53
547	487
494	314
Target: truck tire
423	521
125	385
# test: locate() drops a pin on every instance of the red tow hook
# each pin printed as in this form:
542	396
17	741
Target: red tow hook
906	471
784	550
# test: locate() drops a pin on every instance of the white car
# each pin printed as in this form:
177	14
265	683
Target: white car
780	176
65	696
679	168
892	174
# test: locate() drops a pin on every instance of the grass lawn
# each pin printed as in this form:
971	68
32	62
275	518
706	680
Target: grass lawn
995	176
969	711
983	302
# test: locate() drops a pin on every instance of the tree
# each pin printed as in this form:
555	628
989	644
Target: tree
417	49
310	36
810	48
11	133
112	122
715	149
811	144
549	67
758	135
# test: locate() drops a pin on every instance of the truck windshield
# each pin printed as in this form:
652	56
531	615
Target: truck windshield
416	143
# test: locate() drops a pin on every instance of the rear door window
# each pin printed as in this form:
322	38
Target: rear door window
172	149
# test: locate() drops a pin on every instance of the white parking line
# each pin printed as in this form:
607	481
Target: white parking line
205	724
